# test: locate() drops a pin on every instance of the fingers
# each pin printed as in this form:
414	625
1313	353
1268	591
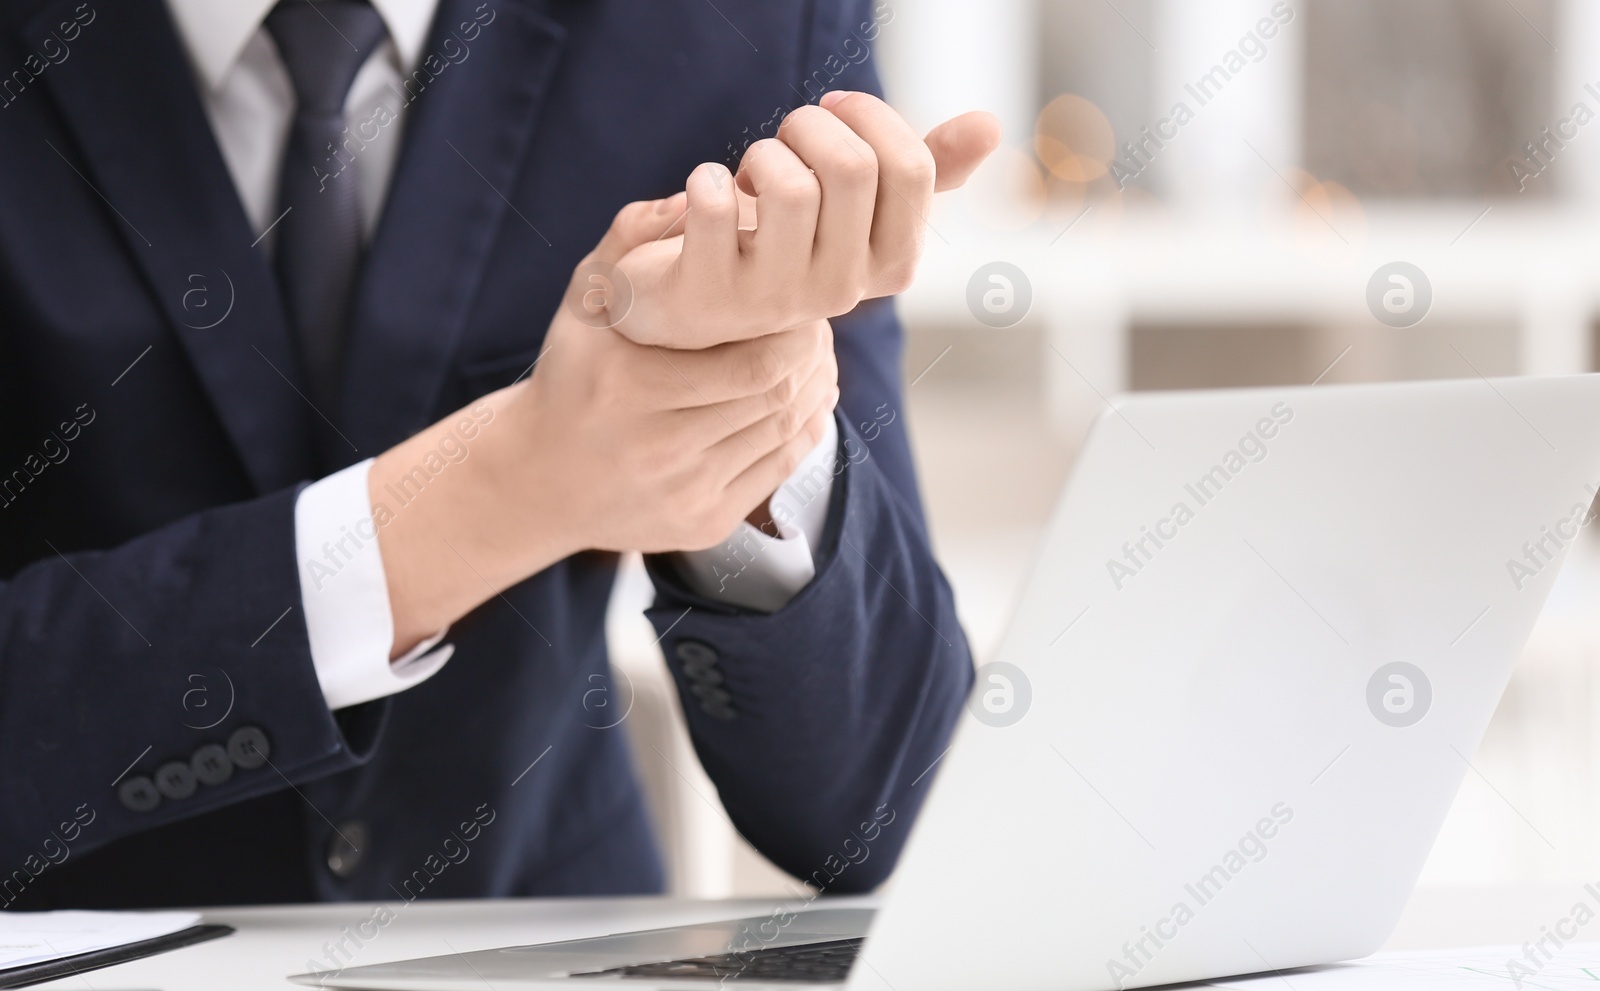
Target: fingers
639	223
906	174
686	379
787	200
840	200
803	390
762	478
711	228
737	453
960	145
846	168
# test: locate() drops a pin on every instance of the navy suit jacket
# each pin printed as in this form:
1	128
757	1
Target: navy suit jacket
154	441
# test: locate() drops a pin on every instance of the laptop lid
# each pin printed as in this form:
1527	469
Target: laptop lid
1263	638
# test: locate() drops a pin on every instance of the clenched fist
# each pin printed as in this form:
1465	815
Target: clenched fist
830	212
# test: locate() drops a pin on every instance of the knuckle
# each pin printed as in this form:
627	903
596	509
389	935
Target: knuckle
857	166
801	116
916	166
899	275
758	151
619	220
720	208
785	391
843	297
764	368
790	421
630	217
797	186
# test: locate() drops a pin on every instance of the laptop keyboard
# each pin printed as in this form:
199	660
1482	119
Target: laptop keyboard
818	963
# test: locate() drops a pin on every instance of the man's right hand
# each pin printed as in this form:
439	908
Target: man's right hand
830	212
609	444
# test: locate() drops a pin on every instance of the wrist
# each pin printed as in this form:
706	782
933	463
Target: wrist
517	483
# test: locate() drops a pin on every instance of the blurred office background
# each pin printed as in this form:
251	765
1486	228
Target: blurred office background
1238	252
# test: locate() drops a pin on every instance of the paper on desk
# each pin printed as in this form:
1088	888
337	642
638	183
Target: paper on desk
1574	967
34	937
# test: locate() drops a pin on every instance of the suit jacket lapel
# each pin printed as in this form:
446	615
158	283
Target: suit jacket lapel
467	135
144	144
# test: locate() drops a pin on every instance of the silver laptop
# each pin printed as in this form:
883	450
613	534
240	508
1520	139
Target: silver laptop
1262	640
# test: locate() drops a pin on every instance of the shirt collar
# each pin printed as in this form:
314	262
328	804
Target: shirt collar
215	31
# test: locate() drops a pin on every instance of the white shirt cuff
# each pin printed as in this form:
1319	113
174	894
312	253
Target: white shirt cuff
762	573
345	595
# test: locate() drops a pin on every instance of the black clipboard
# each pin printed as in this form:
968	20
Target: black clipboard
49	970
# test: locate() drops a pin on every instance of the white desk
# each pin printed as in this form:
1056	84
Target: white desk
274	942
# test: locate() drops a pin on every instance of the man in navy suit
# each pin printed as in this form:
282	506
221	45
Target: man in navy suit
333	381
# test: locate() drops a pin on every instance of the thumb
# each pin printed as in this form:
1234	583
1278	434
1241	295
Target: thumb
640	222
960	145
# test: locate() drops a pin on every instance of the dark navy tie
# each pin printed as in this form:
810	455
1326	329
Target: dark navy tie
323	45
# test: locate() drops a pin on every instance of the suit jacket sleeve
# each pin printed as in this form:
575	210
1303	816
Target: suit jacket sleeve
820	722
118	667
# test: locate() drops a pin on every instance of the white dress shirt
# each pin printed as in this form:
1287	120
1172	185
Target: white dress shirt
250	103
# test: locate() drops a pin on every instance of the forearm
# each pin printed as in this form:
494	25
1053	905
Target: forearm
449	538
458	524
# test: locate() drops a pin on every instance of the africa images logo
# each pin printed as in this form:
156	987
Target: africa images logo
1252	848
1399	694
1252	449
